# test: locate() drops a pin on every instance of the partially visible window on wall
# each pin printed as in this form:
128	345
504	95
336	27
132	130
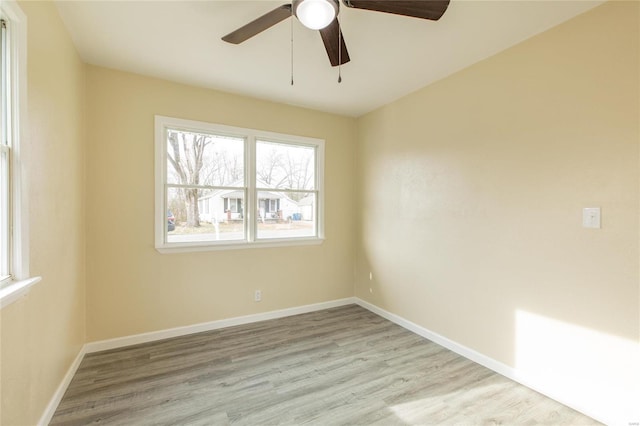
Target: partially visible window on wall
5	157
231	187
14	211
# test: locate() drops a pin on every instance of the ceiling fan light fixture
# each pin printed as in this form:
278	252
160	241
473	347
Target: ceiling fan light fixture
316	14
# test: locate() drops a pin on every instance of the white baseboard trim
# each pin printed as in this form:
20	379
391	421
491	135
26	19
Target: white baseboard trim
466	352
61	389
477	357
120	342
462	350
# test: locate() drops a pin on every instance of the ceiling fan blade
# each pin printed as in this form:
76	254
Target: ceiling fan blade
331	36
425	9
257	26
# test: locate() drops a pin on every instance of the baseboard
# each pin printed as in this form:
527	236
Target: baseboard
485	361
120	342
466	352
462	350
62	388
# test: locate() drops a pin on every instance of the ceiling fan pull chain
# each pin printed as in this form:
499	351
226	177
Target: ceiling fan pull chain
339	52
292	45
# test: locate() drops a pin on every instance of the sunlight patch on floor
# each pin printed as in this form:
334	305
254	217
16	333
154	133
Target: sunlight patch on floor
596	372
425	410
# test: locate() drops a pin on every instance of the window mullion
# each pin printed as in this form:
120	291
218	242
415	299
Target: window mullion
177	185
252	193
293	191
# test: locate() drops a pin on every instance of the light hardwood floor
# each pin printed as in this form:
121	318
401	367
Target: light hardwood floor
339	366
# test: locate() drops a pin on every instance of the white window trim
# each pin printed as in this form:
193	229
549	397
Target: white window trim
21	281
250	136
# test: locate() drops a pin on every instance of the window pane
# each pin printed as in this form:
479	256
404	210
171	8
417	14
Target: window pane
286	214
196	215
204	159
5	137
4	213
283	166
5	95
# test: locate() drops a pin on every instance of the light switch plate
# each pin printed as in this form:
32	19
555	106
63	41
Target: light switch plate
591	217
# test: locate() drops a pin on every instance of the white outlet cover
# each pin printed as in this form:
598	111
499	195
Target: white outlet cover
591	217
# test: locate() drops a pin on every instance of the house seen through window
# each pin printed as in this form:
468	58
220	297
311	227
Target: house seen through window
220	185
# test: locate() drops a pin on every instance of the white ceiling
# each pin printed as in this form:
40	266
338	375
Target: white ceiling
391	55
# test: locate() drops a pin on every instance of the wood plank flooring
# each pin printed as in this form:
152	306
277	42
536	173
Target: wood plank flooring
334	367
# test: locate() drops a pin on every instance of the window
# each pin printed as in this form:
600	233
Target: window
230	187
233	205
5	156
14	235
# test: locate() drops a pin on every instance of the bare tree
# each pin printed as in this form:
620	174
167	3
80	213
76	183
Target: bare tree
227	168
297	173
186	157
284	167
269	164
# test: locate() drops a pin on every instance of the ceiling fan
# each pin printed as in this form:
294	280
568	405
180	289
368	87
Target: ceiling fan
322	15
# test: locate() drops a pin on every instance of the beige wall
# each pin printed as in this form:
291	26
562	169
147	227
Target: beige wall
131	287
43	332
470	198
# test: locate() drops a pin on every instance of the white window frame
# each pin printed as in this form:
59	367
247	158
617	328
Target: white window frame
251	137
19	282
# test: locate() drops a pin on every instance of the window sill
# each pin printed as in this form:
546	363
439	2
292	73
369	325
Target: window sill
15	290
194	247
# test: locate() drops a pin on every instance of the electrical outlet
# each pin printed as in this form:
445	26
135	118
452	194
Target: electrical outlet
591	217
257	296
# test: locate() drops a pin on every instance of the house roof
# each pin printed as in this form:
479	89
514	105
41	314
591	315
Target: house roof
236	193
307	201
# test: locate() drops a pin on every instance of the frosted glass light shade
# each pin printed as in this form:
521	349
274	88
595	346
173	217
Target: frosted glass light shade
315	14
